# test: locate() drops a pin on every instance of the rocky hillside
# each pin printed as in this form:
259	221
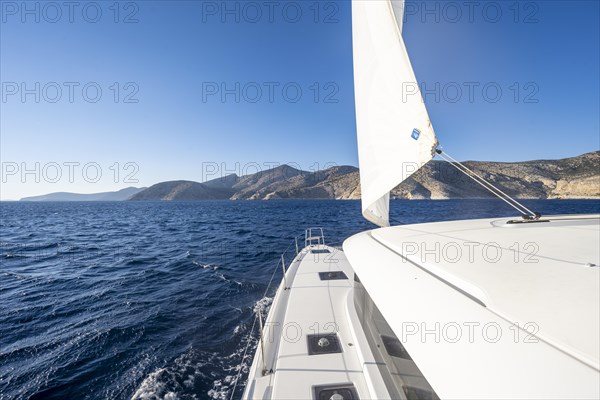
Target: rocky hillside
577	177
183	190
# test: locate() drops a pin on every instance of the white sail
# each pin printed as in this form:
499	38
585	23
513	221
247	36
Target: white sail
395	136
398	8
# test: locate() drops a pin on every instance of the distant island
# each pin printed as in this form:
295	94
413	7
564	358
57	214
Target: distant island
123	194
569	178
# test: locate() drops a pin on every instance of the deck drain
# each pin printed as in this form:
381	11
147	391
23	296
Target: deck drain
332	275
323	344
335	392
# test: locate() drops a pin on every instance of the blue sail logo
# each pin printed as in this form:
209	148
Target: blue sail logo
415	134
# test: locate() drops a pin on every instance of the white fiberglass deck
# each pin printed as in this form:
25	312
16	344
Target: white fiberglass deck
485	309
311	306
544	272
489	309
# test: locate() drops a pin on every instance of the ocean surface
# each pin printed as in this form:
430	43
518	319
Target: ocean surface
151	300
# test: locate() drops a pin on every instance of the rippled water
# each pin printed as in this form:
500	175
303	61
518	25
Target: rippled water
153	300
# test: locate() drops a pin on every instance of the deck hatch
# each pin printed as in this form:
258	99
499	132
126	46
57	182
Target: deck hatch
320	251
332	275
323	344
346	392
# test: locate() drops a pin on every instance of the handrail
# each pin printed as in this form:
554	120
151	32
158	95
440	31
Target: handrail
309	238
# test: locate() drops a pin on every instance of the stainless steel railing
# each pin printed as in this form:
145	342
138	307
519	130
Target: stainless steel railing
314	234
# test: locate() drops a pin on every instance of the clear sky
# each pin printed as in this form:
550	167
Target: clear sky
196	89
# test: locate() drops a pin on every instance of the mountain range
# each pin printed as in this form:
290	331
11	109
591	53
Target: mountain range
569	178
123	194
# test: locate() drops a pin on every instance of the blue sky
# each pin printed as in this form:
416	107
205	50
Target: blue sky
162	67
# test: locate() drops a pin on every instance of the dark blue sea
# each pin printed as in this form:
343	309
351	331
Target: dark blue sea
152	300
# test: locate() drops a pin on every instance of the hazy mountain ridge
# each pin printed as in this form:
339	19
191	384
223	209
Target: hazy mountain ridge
183	190
569	178
120	195
576	177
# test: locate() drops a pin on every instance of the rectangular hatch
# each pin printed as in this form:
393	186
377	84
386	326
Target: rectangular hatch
320	251
341	391
332	275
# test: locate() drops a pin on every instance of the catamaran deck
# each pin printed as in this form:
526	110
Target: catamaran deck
537	284
406	300
312	306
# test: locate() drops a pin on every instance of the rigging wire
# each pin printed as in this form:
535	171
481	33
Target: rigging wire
256	316
525	212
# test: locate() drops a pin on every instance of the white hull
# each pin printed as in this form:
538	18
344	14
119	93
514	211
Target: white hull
546	311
